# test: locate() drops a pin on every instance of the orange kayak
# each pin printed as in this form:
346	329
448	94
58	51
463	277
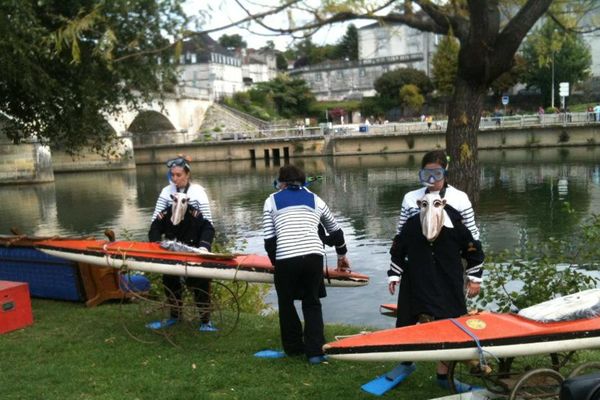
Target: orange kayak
500	335
150	257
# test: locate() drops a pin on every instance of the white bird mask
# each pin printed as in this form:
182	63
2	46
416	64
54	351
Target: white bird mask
179	207
433	216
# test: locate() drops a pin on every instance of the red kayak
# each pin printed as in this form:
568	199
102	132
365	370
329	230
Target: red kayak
501	335
150	257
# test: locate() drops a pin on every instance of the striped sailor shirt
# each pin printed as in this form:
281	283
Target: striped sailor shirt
454	198
198	199
291	218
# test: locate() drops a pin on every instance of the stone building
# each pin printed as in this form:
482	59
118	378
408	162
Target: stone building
209	71
381	48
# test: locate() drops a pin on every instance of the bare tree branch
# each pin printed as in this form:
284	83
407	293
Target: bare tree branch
189	34
513	33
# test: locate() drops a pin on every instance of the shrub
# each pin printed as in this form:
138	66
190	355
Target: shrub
536	272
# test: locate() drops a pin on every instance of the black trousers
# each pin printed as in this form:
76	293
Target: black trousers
300	278
174	291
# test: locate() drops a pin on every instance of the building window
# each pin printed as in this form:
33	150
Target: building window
193	58
182	59
362	72
318	77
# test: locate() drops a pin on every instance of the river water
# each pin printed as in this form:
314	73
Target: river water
521	191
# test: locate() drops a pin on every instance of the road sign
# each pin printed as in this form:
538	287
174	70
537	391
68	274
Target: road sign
504	100
563	89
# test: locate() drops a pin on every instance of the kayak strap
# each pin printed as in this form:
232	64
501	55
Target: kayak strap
473	336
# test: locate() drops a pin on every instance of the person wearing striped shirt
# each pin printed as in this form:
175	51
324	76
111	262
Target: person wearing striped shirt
196	229
433	175
291	219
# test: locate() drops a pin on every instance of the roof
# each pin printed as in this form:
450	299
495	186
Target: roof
202	43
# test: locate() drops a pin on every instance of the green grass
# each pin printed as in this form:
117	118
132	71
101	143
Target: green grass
73	352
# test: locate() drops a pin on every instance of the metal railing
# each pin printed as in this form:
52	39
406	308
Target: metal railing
394	128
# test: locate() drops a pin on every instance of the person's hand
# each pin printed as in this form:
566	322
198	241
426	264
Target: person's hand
343	265
392	287
473	289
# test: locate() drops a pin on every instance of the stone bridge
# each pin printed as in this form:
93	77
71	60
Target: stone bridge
175	113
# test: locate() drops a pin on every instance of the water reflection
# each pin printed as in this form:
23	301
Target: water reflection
521	190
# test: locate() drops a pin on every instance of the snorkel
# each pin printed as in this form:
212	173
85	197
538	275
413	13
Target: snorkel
277	184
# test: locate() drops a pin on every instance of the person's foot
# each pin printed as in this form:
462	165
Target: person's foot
459	387
163	323
315	360
207	327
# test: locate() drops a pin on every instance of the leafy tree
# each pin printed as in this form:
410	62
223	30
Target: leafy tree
308	53
510	78
444	65
411	96
281	97
291	97
347	48
389	84
269	46
65	65
282	62
233	41
567	51
489	32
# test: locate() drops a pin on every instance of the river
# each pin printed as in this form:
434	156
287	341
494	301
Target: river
521	191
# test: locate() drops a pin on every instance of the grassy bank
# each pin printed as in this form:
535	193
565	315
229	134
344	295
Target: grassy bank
73	352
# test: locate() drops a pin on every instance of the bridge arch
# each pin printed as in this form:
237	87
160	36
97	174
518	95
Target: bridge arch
184	114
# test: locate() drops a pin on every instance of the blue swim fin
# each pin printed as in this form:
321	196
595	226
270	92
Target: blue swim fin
269	354
384	383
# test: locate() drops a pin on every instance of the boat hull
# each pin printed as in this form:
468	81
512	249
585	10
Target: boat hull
150	257
500	335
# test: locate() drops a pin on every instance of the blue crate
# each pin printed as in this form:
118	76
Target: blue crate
48	277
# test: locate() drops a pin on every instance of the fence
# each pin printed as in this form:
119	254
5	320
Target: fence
402	128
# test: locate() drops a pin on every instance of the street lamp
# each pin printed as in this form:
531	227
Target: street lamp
552	80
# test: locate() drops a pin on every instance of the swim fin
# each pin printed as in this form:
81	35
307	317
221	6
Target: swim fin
269	354
384	383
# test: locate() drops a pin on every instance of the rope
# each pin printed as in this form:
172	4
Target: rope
239	265
473	336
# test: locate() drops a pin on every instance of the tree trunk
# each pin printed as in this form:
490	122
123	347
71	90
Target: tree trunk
464	115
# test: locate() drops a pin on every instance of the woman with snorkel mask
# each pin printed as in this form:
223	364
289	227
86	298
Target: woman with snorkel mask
433	176
182	213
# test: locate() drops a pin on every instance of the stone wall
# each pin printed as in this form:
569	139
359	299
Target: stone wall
218	120
122	158
367	144
25	163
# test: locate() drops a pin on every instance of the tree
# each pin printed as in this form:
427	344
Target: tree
389	84
282	62
411	96
489	32
308	53
548	45
234	41
65	65
291	97
347	48
510	78
444	65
